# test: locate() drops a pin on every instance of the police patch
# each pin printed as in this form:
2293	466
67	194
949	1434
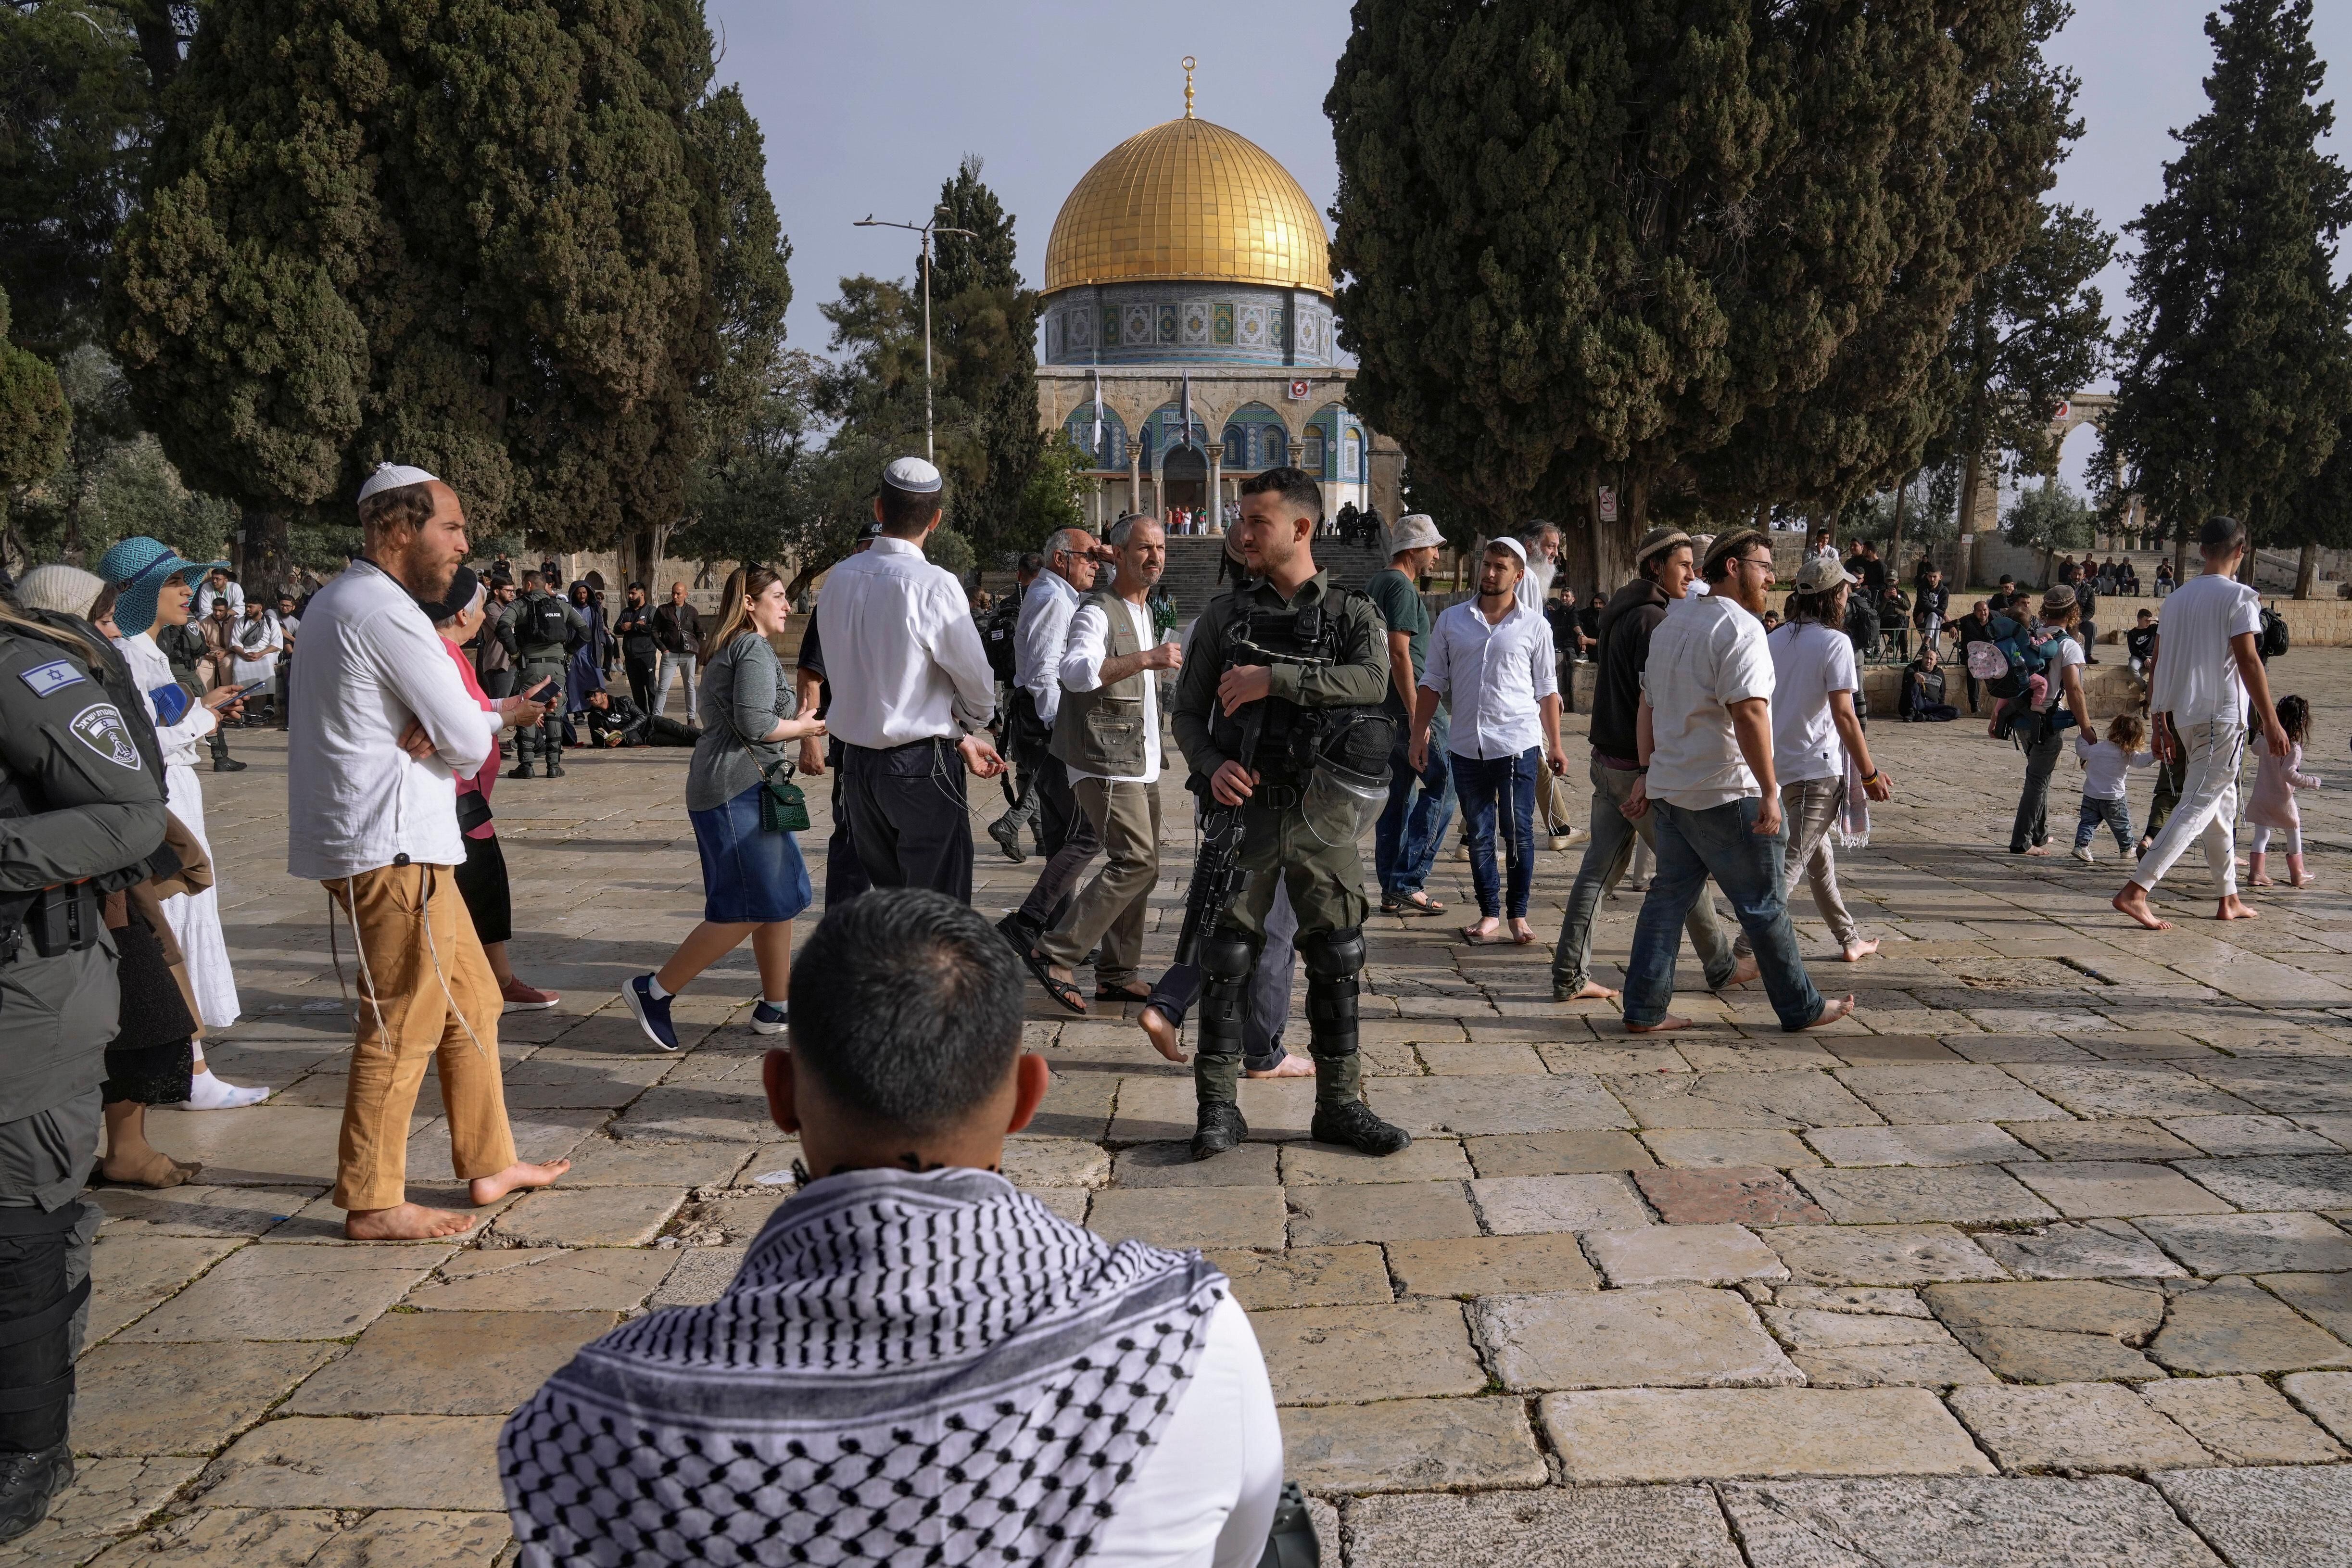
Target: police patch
100	727
52	677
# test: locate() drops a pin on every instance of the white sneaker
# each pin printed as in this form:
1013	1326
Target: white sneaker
2083	853
206	1092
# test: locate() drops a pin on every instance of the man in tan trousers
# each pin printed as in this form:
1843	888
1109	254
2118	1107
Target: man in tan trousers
1106	733
383	727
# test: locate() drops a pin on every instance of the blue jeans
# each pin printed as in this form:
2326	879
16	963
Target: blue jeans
1717	842
1605	861
2116	813
1405	839
1483	783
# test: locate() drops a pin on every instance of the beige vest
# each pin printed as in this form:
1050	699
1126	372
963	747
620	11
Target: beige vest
1101	732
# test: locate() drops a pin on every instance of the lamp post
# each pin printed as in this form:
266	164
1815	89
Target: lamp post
926	230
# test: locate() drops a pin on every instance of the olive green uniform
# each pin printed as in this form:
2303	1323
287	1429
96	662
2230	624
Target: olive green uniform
1315	858
542	662
80	813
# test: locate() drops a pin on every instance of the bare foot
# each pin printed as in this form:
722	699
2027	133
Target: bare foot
1855	952
1162	1034
1593	992
152	1169
1669	1022
404	1222
491	1189
2234	908
1484	931
1832	1012
2262	882
1522	933
1293	1065
2133	901
2302	882
1744	971
2039	849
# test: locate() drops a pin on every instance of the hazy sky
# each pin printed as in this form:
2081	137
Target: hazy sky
867	107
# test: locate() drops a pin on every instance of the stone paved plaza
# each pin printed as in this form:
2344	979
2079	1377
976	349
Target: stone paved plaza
2045	1258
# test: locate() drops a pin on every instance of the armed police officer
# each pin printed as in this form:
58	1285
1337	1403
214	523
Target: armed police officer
546	629
1279	713
81	813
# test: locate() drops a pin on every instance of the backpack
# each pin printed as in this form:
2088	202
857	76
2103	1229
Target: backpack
1987	662
998	639
546	624
2271	642
2021	655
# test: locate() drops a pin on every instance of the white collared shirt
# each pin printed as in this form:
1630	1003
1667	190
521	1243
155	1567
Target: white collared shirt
1494	675
1039	636
355	801
1708	653
900	651
1081	670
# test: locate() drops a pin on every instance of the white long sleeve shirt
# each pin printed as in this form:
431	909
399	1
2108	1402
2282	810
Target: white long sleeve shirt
1495	675
900	651
1040	638
372	663
1081	670
150	672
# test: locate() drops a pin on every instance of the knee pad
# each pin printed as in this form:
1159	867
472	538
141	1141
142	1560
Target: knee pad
1333	955
1335	963
1228	955
1226	959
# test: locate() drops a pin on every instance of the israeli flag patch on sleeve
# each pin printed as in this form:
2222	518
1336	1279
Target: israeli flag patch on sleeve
48	680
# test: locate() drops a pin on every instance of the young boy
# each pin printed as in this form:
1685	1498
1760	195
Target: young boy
2105	765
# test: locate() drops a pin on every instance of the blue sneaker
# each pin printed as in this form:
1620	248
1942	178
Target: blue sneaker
768	1019
652	1014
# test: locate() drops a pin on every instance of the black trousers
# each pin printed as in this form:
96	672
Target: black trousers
482	883
908	811
845	873
641	682
1067	835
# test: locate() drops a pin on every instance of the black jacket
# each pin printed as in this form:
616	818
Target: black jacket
1633	613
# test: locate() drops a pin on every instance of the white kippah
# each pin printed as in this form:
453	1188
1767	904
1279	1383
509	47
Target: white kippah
392	476
913	476
1513	545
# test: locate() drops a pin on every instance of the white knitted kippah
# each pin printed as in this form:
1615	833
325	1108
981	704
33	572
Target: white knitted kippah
392	476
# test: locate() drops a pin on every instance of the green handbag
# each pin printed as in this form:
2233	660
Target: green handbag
783	808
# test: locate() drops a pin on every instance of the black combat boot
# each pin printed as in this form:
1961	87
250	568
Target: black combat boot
1226	959
27	1482
1335	963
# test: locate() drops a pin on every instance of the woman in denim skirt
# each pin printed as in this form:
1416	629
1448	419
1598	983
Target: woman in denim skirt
753	881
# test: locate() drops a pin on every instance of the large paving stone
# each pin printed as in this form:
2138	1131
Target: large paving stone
1061	1163
1412	1445
130	1272
416	1538
1960	1523
2232	1326
1904	1195
2269	1518
385	1461
1557	1153
589	1217
1790	1100
2278	1181
1490	1265
1379	1211
448	1364
648	1163
1926	1364
1623	1527
2326	1396
1951	1107
2326	1297
1536	1205
1504	1103
1683	1254
160	1399
2243	1420
537	1279
241	1212
2238	1135
2054	1331
1925	1144
1424	1160
1749	1196
1879	1255
1306	1276
1869	1339
2105	1189
1614	1437
2251	1242
2129	1138
1158	1109
1728	1147
2128	1089
324	1291
1329	1355
107	1498
2081	1249
723	1113
701	1277
1667	1337
1171	1165
250	1537
2076	1427
263	1145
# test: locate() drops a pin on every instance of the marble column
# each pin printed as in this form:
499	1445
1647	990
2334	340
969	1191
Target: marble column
1134	477
1216	450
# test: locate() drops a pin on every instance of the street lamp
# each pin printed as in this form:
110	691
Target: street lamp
926	230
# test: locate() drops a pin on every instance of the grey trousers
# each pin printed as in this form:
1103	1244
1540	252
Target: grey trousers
1605	858
1809	809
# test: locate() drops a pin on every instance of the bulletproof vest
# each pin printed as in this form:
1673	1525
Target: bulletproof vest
1289	735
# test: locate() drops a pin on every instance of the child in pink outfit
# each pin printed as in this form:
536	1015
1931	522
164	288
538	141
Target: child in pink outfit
2273	810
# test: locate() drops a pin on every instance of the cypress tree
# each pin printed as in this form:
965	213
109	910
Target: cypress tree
1576	237
984	334
34	419
2232	385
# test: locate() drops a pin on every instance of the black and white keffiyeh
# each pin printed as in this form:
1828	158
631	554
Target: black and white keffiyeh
907	1370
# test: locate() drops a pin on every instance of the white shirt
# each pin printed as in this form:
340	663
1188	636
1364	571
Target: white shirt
2104	766
233	593
2197	681
1810	660
901	653
1204	1496
1495	677
1040	635
2064	653
1708	653
151	671
354	800
1081	670
1535	584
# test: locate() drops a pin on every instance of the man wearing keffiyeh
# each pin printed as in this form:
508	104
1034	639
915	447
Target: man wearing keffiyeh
917	1363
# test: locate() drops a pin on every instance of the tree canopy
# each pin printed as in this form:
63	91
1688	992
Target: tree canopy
34	422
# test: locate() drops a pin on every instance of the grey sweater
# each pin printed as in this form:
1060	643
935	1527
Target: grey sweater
743	693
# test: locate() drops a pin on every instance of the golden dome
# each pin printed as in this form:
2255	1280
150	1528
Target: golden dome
1189	200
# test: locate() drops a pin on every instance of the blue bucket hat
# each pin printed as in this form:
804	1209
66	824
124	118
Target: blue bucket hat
138	567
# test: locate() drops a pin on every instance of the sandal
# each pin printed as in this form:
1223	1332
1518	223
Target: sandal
1061	991
1419	904
1113	993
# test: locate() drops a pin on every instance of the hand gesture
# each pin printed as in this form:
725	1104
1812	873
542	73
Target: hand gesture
1879	785
1233	784
416	741
1557	761
1417	755
1163	656
1767	815
1637	800
980	756
1243	685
